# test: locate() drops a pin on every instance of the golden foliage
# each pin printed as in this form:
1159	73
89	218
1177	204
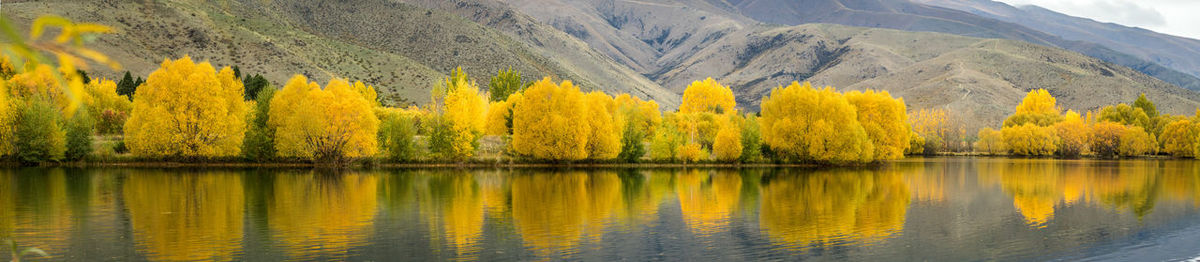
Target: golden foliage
991	141
1105	138
1030	140
645	115
1038	107
885	119
497	117
604	142
1179	138
7	122
464	115
1072	135
187	109
326	124
1136	142
105	105
548	122
707	96
805	124
691	152
42	82
728	143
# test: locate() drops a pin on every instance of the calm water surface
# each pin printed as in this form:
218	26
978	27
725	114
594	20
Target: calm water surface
923	209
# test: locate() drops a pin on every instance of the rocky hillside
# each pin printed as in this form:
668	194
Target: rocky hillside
401	48
979	79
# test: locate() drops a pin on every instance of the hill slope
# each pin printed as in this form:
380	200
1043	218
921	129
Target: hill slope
979	79
401	48
1175	52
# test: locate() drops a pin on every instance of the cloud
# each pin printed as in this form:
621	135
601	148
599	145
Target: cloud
1126	12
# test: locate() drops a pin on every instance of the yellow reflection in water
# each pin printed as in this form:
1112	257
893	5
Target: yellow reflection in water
1038	187
707	200
826	207
557	212
179	216
453	205
318	214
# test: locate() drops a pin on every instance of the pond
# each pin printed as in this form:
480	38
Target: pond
918	209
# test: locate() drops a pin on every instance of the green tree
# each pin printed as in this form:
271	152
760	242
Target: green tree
260	137
1146	105
505	83
632	148
751	140
39	136
396	137
79	135
255	84
127	86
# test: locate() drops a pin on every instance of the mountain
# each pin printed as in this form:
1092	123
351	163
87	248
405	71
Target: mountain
980	78
403	48
1179	53
651	49
915	15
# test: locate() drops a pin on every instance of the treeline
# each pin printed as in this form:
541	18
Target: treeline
191	111
1040	128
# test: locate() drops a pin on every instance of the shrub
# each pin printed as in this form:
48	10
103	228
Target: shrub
38	132
79	131
396	137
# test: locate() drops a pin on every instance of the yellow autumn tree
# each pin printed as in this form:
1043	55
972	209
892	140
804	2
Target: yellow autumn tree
1179	138
1135	141
644	115
496	121
106	106
604	140
991	142
6	122
329	124
808	125
1072	135
42	81
885	120
707	96
1105	138
930	127
1030	139
548	122
464	109
1038	107
187	109
728	143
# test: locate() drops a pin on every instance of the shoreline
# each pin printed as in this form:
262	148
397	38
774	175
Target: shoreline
482	163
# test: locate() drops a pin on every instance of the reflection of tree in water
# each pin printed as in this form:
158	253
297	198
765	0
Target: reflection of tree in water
452	203
183	216
707	199
556	212
1039	186
315	214
823	207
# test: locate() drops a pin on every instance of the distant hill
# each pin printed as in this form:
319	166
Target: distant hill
916	15
1178	53
652	49
401	48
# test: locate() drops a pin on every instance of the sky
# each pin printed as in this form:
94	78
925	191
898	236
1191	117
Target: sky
1176	17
